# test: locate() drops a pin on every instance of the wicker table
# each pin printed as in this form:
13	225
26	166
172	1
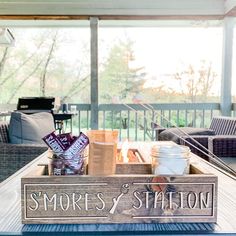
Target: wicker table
10	212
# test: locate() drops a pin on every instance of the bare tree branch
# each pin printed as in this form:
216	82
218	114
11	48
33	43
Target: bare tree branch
23	81
44	72
3	60
73	90
21	65
196	85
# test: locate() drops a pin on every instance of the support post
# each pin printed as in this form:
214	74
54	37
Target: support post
226	82
94	72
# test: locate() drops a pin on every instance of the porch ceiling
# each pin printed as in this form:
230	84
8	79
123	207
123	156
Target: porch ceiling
106	8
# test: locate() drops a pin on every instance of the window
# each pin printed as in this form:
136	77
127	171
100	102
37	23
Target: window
157	64
46	62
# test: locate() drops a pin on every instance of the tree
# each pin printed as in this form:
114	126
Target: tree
39	68
46	64
20	65
117	77
196	83
3	60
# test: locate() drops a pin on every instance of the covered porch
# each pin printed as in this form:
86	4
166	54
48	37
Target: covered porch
134	120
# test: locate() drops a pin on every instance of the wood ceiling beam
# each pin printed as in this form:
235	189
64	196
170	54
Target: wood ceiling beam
111	17
113	7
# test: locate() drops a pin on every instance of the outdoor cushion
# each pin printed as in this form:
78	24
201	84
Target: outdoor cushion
30	129
173	134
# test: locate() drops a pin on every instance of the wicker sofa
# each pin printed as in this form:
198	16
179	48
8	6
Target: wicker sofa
15	156
221	139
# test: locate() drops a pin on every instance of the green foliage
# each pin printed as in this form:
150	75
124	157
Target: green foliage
178	122
118	79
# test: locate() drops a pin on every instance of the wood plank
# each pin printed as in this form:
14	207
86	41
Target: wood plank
134	168
111	17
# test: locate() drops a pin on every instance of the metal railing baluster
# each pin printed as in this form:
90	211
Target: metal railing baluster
177	116
136	126
203	118
161	118
120	125
87	118
169	115
104	119
153	117
112	120
211	114
144	125
79	123
128	123
186	118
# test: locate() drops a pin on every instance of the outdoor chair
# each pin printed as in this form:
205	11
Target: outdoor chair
17	147
15	156
222	145
219	138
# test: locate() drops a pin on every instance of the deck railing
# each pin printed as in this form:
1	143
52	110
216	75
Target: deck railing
133	121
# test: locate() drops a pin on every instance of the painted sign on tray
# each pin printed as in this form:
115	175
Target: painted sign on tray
119	199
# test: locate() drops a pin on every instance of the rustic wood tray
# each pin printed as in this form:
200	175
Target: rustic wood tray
133	195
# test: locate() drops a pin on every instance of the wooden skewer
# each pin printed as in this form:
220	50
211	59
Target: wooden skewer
215	159
140	160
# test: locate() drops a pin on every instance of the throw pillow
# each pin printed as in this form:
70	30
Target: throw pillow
30	129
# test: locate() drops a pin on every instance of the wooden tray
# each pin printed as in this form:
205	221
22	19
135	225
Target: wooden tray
133	195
